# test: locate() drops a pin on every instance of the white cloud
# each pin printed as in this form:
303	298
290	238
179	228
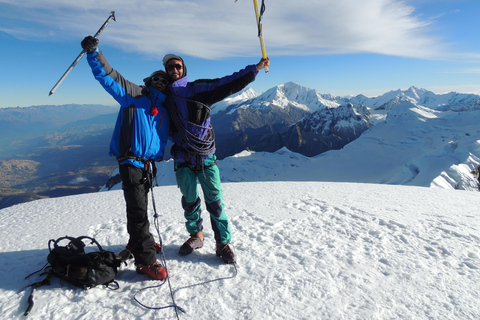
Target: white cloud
475	89
220	28
78	180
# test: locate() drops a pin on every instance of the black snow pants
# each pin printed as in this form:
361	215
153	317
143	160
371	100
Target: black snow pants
135	187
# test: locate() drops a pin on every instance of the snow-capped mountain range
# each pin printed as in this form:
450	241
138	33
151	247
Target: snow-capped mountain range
412	137
281	96
288	115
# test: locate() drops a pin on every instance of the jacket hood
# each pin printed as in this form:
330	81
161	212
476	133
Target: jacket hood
171	56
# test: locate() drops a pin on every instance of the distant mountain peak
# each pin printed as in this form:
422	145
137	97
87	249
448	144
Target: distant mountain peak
294	95
235	99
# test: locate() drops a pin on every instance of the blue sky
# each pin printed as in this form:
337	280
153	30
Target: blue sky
342	47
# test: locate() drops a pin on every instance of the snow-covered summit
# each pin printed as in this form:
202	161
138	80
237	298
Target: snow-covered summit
300	97
244	95
460	101
288	94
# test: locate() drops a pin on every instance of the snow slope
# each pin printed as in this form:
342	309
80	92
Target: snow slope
372	231
306	250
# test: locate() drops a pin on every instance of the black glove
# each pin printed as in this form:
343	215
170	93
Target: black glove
89	44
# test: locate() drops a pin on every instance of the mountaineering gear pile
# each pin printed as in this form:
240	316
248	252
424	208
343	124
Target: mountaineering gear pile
86	270
225	251
71	263
155	271
194	242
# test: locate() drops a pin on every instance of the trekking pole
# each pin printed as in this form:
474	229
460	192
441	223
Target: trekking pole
112	16
34	286
259	14
30	302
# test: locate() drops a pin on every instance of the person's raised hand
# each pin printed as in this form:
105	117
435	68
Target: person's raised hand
265	62
89	44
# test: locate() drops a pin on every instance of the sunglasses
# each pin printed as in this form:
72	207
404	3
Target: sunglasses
174	66
159	79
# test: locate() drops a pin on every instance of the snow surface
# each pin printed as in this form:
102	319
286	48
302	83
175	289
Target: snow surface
306	250
373	231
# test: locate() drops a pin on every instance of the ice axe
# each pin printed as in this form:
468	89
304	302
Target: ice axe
259	14
112	16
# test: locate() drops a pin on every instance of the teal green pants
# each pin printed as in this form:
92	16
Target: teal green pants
209	180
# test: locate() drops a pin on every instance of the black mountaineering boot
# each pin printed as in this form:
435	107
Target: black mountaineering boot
194	242
224	250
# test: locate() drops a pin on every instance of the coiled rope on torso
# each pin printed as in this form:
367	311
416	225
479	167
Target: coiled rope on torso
196	145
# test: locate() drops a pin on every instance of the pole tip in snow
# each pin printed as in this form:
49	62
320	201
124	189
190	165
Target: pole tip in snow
181	309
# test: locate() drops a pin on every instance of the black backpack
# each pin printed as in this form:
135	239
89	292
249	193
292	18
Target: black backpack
71	263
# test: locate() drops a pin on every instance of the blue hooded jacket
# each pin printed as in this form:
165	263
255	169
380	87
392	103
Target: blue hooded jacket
137	134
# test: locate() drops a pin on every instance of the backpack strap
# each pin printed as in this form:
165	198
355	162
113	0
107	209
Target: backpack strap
35	285
78	245
93	241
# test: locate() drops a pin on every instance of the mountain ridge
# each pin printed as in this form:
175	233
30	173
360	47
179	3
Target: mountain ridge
442	132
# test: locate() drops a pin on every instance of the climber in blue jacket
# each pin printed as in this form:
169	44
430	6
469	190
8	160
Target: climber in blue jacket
138	141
